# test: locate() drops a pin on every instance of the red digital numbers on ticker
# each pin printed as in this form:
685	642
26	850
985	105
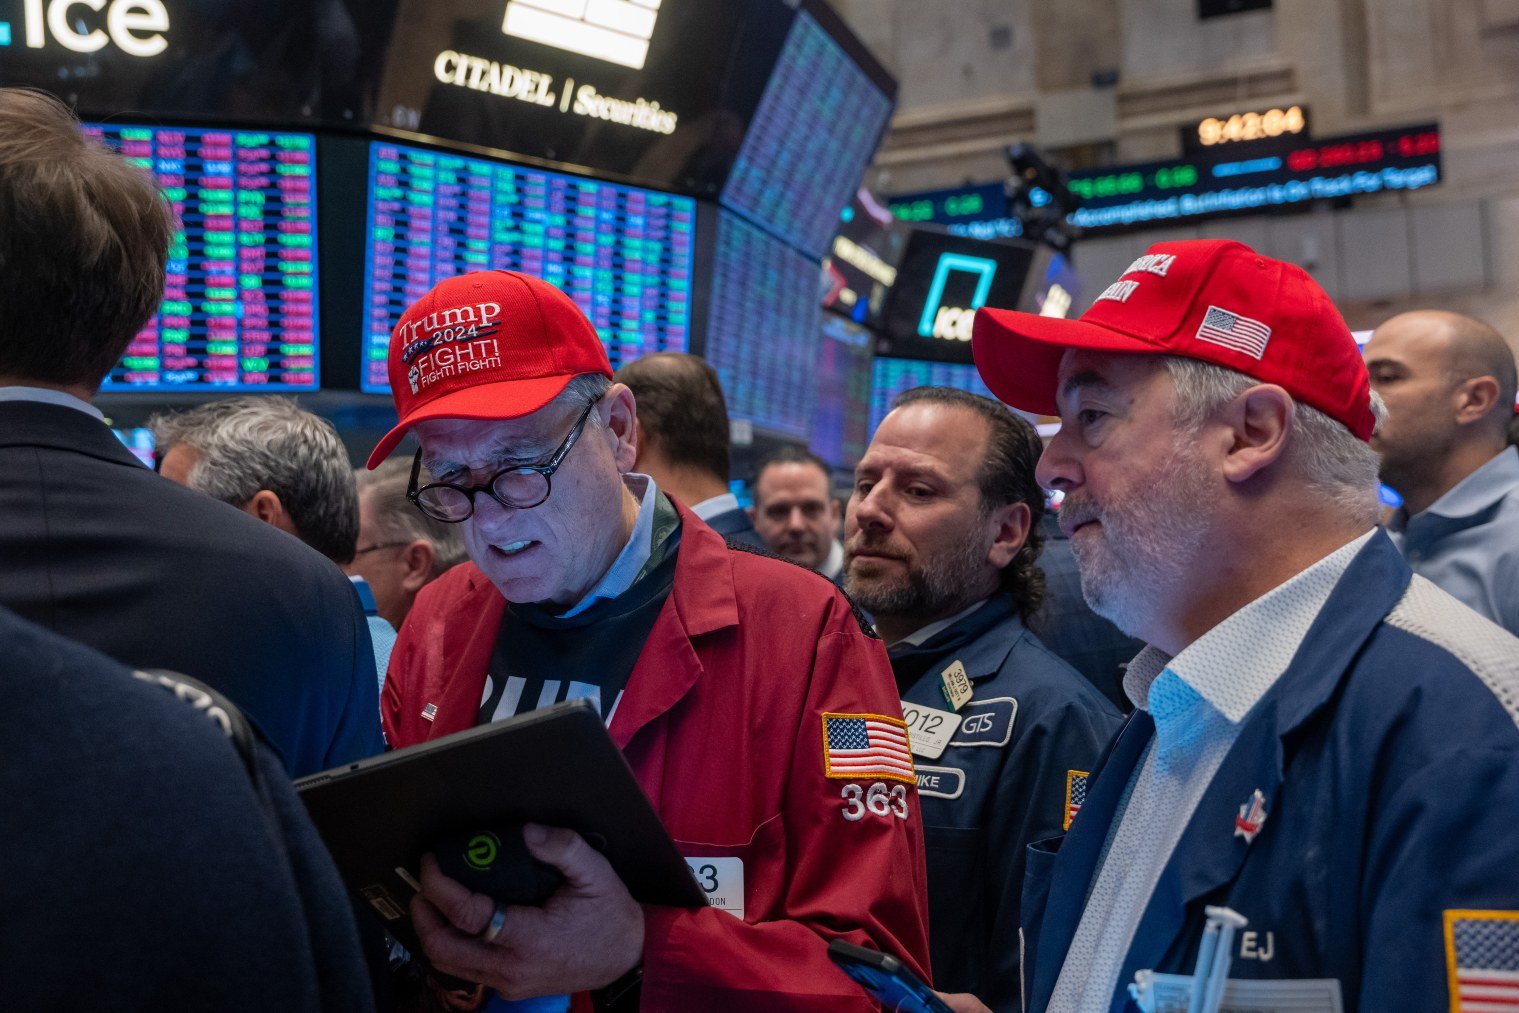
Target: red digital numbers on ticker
1336	156
1418	145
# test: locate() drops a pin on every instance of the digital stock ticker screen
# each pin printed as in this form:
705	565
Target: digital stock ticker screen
763	327
239	309
623	253
814	133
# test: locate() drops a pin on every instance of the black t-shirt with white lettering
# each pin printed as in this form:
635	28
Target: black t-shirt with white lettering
542	658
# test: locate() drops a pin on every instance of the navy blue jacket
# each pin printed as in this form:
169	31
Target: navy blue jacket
98	548
1388	758
142	871
1000	785
736	526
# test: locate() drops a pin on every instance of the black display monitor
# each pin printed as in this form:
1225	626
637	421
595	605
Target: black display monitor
841	420
942	280
862	260
270	62
816	130
240	310
645	91
624	254
763	327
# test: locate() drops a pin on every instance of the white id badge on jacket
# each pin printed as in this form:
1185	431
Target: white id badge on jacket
929	729
722	880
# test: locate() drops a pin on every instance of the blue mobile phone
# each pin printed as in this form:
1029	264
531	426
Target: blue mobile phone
896	988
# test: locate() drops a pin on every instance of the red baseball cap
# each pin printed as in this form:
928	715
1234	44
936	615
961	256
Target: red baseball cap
488	345
1214	300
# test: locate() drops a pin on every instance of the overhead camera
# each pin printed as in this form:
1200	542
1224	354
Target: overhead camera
1038	196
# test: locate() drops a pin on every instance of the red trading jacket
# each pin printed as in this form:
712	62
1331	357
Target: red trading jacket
722	722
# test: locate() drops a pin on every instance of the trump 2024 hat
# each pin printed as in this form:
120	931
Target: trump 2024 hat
489	345
1214	300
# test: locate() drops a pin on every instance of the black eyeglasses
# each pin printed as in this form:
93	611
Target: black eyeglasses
517	487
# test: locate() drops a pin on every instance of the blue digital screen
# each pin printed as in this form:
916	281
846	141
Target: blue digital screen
893	376
240	308
623	254
815	131
139	441
841	421
763	327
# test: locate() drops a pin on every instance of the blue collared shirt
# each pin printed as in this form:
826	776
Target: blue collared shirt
630	561
1467	541
720	504
1198	700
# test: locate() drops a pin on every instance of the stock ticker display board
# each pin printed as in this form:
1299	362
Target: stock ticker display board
624	254
1239	178
1269	175
893	376
810	140
841	421
763	327
239	309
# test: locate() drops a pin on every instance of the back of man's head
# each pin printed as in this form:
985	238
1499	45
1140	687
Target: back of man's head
395	519
681	412
1477	350
236	449
83	244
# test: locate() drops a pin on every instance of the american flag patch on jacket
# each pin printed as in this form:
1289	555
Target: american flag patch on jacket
1075	794
1482	960
861	746
1240	334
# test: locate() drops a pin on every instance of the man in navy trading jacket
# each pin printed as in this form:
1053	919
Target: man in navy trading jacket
941	538
1323	742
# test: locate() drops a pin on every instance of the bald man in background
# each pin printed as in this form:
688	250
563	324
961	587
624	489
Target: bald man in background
1449	384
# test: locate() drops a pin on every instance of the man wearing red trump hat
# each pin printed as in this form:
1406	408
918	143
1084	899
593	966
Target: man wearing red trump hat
1322	742
757	711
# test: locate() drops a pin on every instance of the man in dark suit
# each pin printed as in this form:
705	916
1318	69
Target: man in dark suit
149	866
683	438
94	545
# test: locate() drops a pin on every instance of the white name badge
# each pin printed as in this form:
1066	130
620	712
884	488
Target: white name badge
722	880
954	682
1170	993
929	730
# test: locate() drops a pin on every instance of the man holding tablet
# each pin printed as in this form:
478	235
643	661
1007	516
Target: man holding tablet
757	712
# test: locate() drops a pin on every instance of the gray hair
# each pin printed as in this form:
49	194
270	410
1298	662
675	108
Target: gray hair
396	520
248	444
1330	457
586	389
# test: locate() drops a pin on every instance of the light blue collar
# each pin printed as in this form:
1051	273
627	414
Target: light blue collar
47	395
1477	491
710	508
625	568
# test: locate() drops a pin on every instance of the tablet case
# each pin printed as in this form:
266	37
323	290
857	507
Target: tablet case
556	766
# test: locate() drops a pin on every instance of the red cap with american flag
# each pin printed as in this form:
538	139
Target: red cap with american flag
1214	300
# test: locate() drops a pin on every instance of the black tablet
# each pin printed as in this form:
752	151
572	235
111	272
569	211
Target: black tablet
556	766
